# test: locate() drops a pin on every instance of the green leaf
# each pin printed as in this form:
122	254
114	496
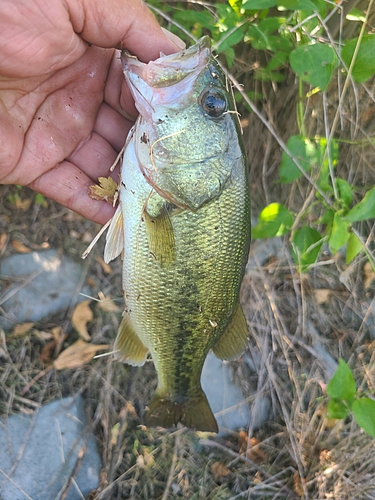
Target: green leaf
297	5
345	192
363	210
314	64
278	60
339	233
274	220
324	179
342	384
364	414
353	248
306	245
258	4
228	41
305	151
337	409
356	15
364	66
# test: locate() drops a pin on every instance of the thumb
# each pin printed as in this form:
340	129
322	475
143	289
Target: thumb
117	23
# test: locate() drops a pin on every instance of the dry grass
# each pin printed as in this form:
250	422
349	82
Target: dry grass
299	324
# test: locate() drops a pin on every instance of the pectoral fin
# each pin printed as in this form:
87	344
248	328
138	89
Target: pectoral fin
115	237
160	236
131	349
234	340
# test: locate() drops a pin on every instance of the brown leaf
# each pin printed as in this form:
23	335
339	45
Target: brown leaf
20	247
77	355
3	240
106	303
21	204
46	353
251	447
322	295
82	314
22	329
219	470
297	485
53	347
106	267
105	190
368	275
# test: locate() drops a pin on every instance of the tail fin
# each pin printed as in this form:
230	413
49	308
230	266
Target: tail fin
193	412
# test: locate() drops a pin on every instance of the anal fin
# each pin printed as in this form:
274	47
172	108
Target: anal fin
115	237
234	340
160	236
130	348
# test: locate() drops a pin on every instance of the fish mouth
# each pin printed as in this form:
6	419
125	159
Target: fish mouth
167	81
168	70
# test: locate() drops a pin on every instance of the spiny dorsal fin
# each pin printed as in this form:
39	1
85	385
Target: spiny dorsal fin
115	237
234	340
131	349
160	236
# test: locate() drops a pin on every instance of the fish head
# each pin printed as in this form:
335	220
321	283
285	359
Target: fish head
187	136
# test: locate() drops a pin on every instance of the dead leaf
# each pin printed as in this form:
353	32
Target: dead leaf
22	329
20	247
297	485
3	240
322	295
368	275
87	237
42	335
106	303
21	204
77	355
251	447
219	470
53	347
91	282
46	353
105	190
82	314
106	267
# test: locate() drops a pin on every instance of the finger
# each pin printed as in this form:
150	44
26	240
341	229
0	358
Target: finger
117	93
68	185
94	157
130	22
112	126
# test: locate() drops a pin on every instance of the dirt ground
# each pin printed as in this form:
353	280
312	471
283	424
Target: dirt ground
298	324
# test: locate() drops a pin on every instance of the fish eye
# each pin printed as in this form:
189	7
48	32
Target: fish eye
213	102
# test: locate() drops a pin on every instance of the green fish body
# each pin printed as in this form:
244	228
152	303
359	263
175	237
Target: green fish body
183	224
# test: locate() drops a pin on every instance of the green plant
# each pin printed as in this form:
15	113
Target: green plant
345	398
294	34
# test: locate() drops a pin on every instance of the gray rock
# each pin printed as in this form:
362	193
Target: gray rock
43	283
225	398
262	250
39	453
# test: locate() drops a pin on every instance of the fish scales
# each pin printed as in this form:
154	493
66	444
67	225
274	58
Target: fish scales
185	208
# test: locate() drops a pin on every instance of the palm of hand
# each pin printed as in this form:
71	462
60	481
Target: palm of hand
63	103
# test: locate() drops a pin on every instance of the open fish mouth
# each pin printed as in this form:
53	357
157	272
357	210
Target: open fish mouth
167	80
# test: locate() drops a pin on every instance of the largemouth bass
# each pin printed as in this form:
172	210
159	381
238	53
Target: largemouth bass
183	223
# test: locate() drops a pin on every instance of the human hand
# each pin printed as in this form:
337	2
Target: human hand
65	109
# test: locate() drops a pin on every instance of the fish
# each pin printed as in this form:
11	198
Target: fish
183	228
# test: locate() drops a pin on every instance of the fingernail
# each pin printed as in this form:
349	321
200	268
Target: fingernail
175	39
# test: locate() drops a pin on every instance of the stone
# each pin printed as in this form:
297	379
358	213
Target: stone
43	283
227	402
40	452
